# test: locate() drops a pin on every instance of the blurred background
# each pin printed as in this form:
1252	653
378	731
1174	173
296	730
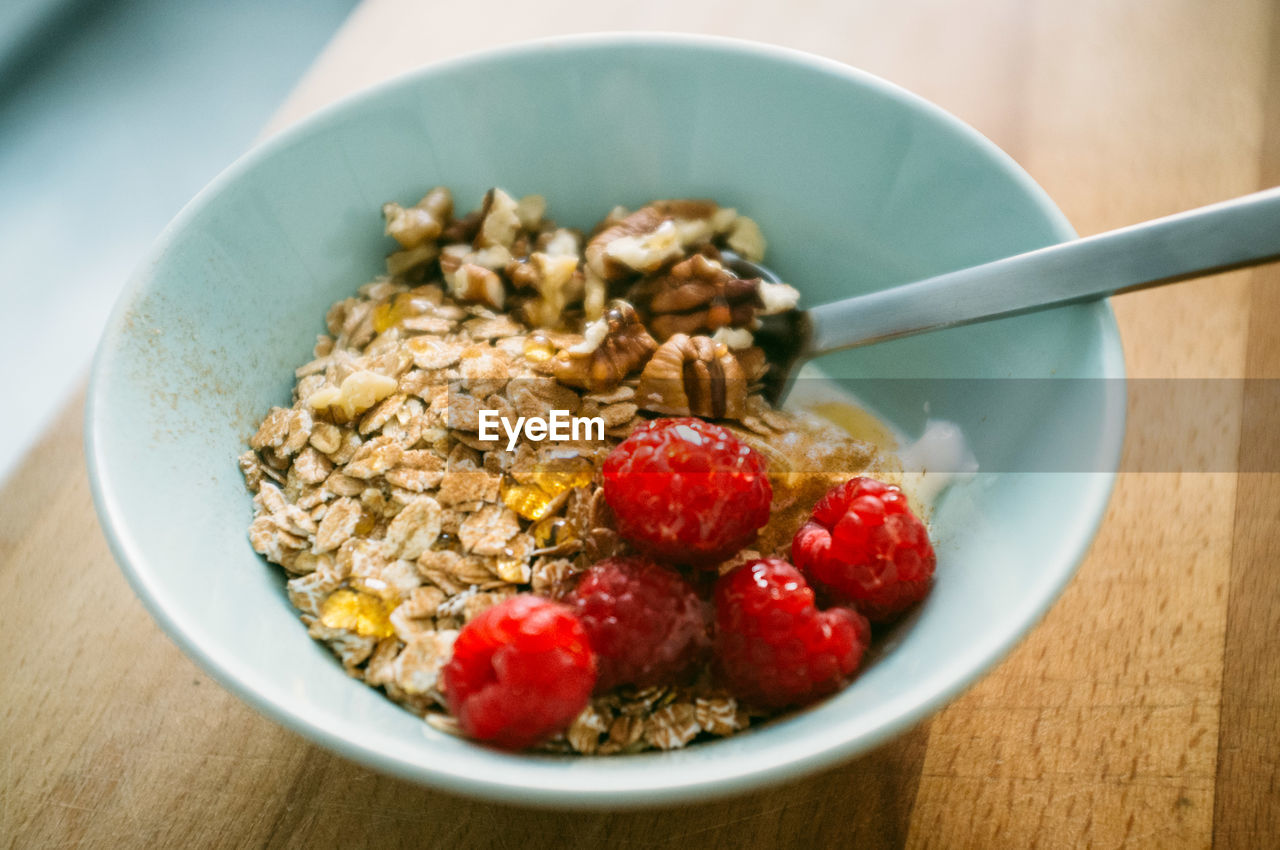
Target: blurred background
113	114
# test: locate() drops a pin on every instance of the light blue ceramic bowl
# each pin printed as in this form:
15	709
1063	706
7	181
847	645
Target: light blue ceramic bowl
857	184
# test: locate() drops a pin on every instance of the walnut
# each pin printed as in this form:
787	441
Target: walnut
402	263
472	282
745	238
652	236
697	295
421	223
754	362
560	242
556	279
531	209
614	346
462	229
499	220
594	293
693	376
359	391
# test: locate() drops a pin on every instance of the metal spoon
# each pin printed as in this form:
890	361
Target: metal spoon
1204	241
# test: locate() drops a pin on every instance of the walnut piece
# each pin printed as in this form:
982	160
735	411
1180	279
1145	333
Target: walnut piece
693	376
745	238
697	295
421	223
499	221
557	281
475	283
360	391
653	236
615	345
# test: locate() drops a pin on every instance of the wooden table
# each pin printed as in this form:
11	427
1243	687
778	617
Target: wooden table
1144	710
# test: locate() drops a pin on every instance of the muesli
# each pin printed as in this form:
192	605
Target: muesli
523	427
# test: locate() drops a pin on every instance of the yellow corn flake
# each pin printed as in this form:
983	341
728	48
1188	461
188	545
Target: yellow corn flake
362	613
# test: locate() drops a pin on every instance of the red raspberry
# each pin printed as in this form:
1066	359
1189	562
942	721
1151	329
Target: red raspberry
687	491
646	623
864	546
521	671
774	648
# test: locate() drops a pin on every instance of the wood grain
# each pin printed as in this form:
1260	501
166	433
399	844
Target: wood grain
1247	801
1144	710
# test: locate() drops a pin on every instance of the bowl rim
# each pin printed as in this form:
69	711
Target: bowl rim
923	702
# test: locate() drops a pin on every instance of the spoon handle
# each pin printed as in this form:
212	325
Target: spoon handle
1228	235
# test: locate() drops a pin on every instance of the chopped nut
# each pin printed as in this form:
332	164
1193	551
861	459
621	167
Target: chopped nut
734	338
746	239
777	298
556	279
648	238
401	263
499	221
421	223
693	376
642	242
623	346
472	282
530	210
360	391
697	294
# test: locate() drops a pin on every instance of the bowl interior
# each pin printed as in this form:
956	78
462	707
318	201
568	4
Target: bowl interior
856	184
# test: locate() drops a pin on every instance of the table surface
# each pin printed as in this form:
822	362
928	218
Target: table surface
1144	710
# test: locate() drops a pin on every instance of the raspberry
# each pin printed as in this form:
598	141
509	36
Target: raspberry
686	491
521	671
645	623
774	648
864	546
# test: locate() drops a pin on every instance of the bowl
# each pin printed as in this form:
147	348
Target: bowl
857	184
